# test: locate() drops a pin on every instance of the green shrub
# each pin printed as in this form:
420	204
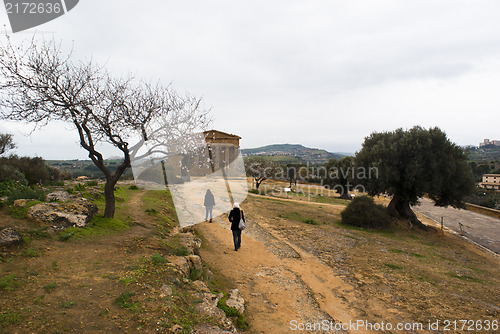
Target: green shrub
195	274
8	282
133	187
25	192
9	318
181	251
49	287
363	212
91	183
125	300
230	311
151	211
34	170
21	212
311	222
12	175
158	258
80	187
30	252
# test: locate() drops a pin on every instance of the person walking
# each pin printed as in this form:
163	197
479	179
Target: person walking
235	216
209	204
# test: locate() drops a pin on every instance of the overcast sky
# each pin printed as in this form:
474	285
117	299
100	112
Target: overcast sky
324	74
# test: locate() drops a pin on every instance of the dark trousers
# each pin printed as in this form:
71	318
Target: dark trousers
237	239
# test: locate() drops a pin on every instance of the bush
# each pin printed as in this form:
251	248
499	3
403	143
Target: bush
24	192
91	183
80	187
31	170
11	174
363	212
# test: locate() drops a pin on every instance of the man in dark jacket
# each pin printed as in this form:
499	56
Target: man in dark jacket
209	204
234	217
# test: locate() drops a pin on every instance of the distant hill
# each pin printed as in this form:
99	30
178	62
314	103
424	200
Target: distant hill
484	153
313	155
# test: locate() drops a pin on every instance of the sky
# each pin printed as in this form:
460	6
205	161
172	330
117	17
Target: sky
325	74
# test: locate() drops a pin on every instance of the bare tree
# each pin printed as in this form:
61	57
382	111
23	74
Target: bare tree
40	84
6	143
261	169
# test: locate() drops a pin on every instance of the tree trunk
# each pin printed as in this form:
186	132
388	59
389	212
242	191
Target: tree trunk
400	208
258	182
109	195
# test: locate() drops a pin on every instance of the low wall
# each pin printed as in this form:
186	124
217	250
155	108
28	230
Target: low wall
483	210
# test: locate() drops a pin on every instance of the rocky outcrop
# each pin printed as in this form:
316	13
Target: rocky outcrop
235	300
21	203
59	195
208	307
191	242
10	237
75	213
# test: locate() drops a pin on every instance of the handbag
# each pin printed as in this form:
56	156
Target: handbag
242	224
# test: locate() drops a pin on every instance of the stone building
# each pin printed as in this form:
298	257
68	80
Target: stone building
491	181
488	142
216	151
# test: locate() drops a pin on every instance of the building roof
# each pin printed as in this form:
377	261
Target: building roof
219	134
497	175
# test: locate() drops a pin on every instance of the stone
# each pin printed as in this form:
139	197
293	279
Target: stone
205	329
201	286
175	329
10	237
195	262
76	213
181	263
209	275
208	310
60	195
235	300
191	242
165	291
21	203
205	309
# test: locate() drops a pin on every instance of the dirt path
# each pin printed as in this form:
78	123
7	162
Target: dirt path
283	284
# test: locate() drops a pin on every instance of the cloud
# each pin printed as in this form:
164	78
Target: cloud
323	73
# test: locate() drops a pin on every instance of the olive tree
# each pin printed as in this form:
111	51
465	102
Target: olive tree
260	169
40	83
414	163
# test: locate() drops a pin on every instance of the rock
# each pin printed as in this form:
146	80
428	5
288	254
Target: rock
208	310
235	300
195	262
76	213
181	263
201	286
60	195
175	329
204	329
21	203
165	291
191	242
10	237
209	275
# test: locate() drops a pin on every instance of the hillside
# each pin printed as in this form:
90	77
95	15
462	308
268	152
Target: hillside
312	155
485	153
